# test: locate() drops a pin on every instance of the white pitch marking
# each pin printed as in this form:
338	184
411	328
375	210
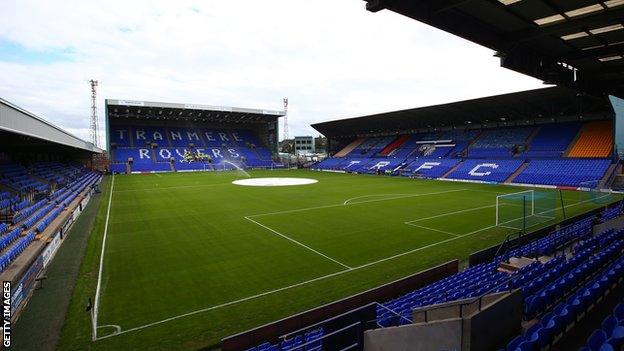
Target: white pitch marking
174	187
432	229
115	326
450	213
99	283
376	195
308	281
361	202
298	243
207	185
295	285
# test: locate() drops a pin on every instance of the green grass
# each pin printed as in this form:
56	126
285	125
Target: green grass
179	243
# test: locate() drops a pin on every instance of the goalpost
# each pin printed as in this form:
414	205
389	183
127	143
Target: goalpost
524	209
594	194
502	215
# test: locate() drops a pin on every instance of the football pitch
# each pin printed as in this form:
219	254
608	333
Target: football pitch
178	261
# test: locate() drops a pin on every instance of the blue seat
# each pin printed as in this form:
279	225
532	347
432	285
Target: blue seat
514	343
616	337
540	338
596	339
606	347
618	312
527	345
608	324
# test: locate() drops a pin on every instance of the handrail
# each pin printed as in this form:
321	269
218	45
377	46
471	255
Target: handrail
506	241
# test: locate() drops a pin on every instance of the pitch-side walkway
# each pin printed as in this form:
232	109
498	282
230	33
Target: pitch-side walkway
39	326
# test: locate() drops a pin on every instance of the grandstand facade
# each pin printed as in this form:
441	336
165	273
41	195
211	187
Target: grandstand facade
46	180
164	137
559	140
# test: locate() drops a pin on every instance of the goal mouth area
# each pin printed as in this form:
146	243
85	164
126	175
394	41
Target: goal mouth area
525	209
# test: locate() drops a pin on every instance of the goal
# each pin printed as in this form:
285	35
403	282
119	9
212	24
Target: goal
594	194
524	209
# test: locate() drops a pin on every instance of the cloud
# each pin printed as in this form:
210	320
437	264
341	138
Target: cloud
332	59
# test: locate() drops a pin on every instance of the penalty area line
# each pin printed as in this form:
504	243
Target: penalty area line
266	293
298	243
354	203
432	229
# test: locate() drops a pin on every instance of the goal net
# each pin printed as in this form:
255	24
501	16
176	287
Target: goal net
591	193
525	209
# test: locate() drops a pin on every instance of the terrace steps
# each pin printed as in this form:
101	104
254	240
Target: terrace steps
566	153
451	170
532	136
528	141
607	176
515	264
397	143
347	149
473	142
516	173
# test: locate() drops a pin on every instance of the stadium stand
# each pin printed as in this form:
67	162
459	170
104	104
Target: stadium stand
485	170
610	336
182	137
523	155
595	140
552	140
395	145
566	172
499	142
29	219
429	168
17	178
239	146
309	341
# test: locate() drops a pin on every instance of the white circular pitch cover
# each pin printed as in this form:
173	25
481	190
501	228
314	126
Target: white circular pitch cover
274	181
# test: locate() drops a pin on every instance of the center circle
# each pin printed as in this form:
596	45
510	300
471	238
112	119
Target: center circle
274	181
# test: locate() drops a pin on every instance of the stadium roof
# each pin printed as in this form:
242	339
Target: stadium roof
526	107
576	43
188	112
14	119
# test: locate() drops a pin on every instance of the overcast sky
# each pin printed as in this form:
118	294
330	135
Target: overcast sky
331	58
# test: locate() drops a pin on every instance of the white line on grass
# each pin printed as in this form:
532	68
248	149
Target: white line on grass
204	185
173	187
294	285
376	195
450	213
432	229
270	292
298	243
357	203
114	326
99	282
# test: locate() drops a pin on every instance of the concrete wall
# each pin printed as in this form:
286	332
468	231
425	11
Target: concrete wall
447	330
319	316
434	336
616	223
495	324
